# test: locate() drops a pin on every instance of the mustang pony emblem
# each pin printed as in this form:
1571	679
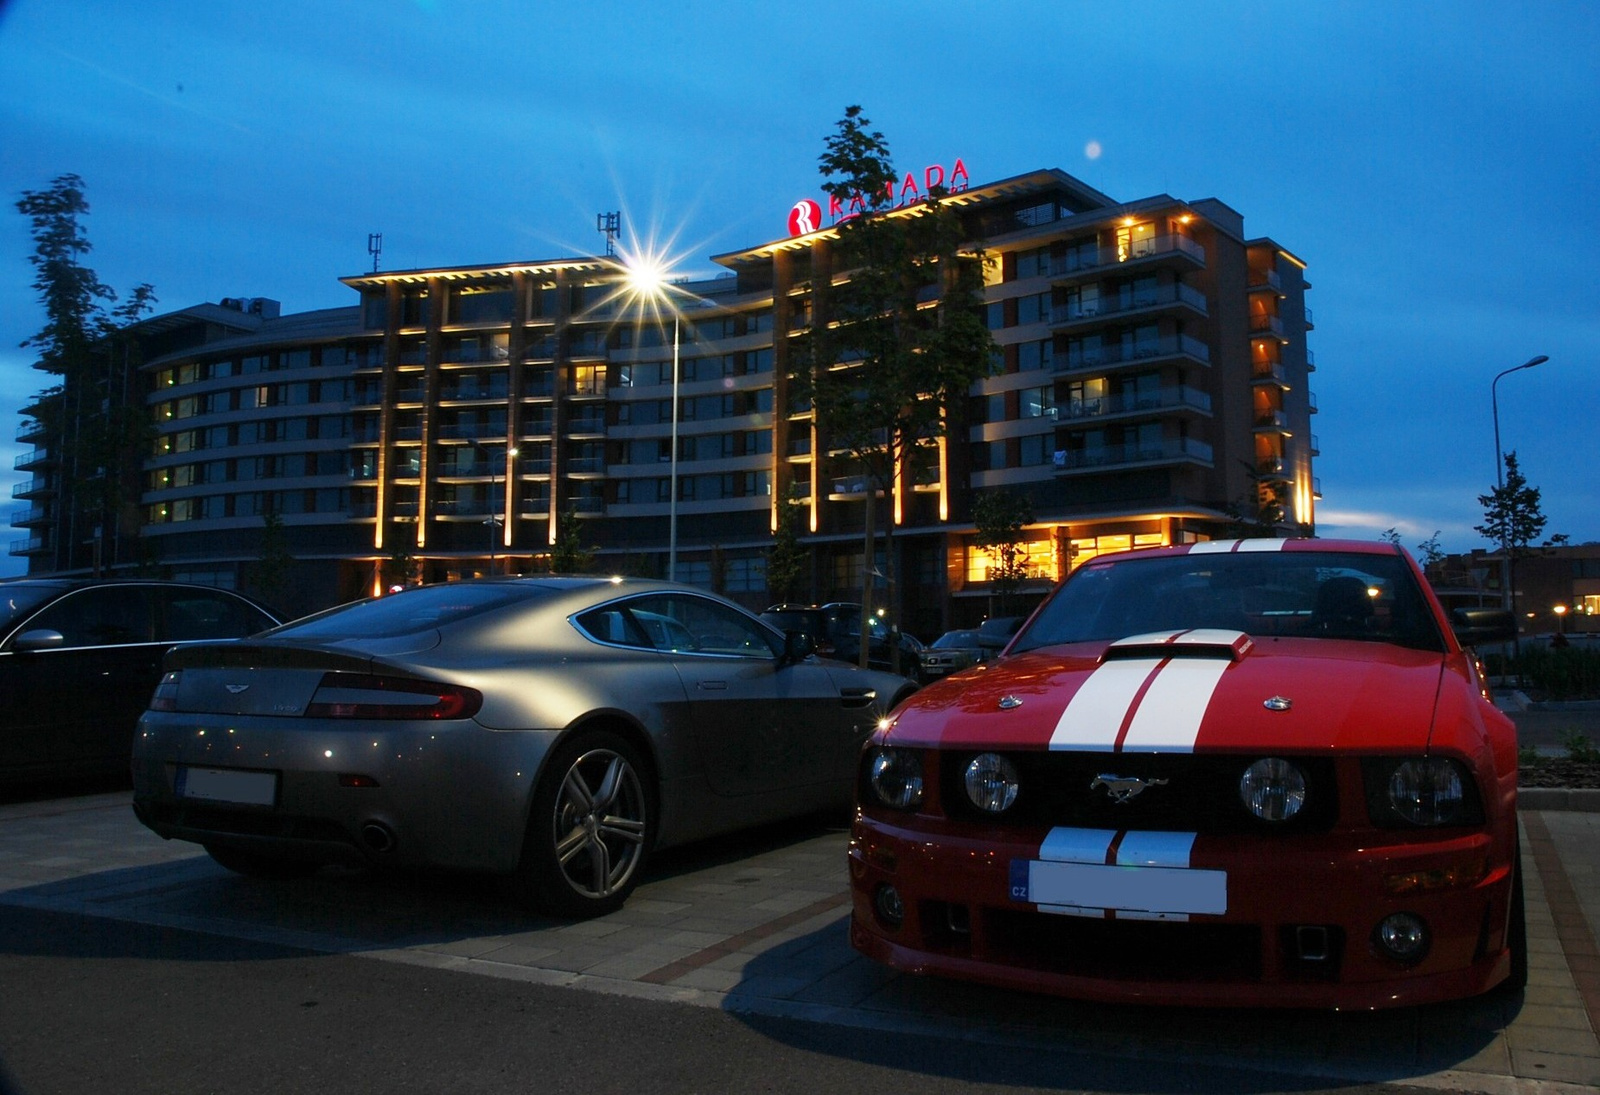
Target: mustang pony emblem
1124	789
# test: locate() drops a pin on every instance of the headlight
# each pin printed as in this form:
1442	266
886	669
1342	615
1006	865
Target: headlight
1273	789
991	782
1427	791
895	776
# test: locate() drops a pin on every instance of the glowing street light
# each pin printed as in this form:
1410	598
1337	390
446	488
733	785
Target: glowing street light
649	283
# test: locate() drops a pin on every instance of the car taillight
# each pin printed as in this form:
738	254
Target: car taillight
364	696
166	694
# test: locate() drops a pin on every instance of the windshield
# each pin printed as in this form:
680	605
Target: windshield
1327	595
957	640
405	613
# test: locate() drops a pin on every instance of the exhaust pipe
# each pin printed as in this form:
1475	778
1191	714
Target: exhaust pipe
377	837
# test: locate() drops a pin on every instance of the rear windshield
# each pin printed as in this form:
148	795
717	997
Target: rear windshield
1325	595
414	610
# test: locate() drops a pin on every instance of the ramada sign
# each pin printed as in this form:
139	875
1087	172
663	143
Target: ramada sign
806	216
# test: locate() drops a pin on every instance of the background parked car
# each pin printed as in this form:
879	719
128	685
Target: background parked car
966	647
550	729
79	660
836	629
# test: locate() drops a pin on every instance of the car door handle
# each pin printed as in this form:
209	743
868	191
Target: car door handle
857	697
712	686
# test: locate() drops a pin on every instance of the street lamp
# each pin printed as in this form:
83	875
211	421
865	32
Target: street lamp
1494	400
1499	473
648	280
493	520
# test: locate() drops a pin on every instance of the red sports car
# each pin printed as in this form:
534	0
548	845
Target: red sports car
1245	772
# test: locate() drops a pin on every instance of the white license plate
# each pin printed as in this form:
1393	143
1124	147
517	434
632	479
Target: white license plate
1094	887
227	785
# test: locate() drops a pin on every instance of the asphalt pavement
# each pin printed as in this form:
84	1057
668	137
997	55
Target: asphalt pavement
755	927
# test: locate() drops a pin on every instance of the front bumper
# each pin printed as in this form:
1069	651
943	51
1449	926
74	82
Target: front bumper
1298	929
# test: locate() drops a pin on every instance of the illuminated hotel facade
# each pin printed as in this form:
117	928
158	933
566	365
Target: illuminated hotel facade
1153	388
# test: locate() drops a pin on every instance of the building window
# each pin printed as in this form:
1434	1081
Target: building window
1033	264
1036	355
1037	402
1037	558
1033	308
1135	241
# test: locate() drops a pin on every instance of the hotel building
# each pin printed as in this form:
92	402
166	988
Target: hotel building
1152	388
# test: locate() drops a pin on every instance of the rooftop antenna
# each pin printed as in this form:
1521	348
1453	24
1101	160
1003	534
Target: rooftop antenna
610	226
374	248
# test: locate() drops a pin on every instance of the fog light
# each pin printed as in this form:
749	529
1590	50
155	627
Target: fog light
891	911
1403	937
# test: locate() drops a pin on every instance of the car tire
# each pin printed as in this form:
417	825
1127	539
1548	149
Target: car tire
589	829
260	864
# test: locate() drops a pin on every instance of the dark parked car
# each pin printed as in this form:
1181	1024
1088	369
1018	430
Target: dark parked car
554	730
79	660
836	629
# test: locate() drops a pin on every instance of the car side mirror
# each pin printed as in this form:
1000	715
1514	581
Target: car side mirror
41	638
1475	626
797	646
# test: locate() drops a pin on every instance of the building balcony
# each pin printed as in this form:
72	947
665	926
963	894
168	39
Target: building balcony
1108	457
1162	297
1266	325
1273	469
1261	281
1269	372
1271	422
1311	399
1316	487
1309	324
33	545
1316	445
1311	362
1141	354
31	430
586	424
34	515
33	459
32	488
1168	399
1159	250
470	392
494	432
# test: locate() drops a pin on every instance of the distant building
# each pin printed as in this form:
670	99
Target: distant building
1557	588
1153	389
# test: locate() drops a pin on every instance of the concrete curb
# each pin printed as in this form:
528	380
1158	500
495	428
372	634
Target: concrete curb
1579	799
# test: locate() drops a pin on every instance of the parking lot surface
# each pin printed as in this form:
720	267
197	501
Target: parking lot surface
757	924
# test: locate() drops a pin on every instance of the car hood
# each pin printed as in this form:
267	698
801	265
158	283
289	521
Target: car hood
1185	692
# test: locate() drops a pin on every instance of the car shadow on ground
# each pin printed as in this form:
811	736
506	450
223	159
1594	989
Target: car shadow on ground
991	1035
352	909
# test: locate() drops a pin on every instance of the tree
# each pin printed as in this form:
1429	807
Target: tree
1000	516
1512	518
1390	535
273	562
1429	552
567	554
788	562
400	568
93	420
893	348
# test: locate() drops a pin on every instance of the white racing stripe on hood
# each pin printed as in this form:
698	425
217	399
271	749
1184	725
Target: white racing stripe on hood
1095	714
1169	715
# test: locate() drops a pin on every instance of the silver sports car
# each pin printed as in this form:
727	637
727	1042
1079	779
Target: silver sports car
552	729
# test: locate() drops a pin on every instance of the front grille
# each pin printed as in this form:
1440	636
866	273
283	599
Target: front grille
1140	950
1201	793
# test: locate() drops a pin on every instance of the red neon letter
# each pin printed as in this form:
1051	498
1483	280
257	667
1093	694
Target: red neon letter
958	176
908	186
933	177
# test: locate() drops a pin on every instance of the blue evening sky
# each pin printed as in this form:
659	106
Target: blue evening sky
1436	165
